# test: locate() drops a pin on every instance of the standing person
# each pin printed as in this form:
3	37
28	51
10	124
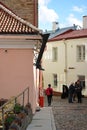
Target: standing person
79	91
64	92
49	93
75	92
71	92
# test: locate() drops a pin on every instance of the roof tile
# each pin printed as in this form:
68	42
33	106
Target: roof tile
71	35
11	23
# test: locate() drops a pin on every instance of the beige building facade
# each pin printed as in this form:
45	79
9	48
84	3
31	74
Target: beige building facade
65	60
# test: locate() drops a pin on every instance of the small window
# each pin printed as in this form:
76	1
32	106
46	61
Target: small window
54	54
55	80
81	53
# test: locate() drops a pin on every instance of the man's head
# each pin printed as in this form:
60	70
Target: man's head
78	82
49	85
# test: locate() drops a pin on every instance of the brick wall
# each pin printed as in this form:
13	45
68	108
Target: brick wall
26	9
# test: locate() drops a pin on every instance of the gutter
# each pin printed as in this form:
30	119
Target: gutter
44	41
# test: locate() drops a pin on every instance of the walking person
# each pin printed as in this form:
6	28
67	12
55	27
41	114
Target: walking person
71	92
49	93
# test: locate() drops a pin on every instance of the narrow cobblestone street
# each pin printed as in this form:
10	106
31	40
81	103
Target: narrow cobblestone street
69	116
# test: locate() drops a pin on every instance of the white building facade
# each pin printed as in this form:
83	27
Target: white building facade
65	60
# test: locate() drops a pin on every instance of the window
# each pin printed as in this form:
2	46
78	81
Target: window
55	80
54	54
81	53
82	80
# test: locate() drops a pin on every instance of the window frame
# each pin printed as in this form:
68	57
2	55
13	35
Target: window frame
80	53
55	81
54	54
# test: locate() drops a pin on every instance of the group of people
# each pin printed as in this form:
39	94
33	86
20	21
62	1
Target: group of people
75	91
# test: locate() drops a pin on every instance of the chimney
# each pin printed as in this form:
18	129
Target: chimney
85	22
54	26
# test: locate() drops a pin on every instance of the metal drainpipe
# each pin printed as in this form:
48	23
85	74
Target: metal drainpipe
65	70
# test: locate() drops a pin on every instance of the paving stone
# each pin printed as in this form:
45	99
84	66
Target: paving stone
69	116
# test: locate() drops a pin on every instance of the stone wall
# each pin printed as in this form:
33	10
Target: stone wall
26	9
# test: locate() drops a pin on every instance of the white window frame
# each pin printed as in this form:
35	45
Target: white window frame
54	54
55	82
80	53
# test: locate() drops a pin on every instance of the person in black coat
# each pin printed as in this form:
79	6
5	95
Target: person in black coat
79	91
71	92
64	92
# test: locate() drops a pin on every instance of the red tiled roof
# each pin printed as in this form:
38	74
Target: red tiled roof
11	23
71	35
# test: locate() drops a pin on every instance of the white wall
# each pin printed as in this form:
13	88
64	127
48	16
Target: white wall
66	60
54	67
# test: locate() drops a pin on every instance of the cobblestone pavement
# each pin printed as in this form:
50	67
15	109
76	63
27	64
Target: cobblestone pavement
69	116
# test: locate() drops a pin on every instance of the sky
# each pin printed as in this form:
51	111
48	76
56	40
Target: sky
65	12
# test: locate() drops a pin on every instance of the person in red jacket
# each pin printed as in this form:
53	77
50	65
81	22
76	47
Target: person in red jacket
49	93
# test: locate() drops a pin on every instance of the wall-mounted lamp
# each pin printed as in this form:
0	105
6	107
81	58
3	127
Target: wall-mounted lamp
71	68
